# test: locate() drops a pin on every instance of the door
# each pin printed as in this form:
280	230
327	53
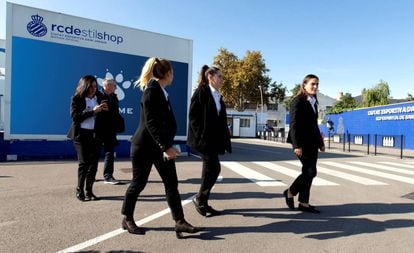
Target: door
236	127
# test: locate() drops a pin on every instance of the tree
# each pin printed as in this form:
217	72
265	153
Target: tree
277	92
409	97
228	63
252	75
294	91
242	78
347	102
378	95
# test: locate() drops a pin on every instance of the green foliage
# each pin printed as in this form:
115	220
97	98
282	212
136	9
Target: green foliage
347	102
409	97
378	95
294	91
242	78
228	62
277	92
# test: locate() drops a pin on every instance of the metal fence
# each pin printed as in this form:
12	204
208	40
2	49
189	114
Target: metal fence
369	143
278	136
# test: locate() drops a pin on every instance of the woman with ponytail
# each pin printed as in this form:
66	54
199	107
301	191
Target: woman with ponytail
152	144
208	133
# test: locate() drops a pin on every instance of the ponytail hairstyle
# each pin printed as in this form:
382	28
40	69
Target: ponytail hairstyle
302	92
153	68
84	84
205	72
202	78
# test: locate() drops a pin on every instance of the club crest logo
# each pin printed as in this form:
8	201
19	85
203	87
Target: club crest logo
36	27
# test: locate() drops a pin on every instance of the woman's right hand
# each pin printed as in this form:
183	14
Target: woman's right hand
298	152
101	107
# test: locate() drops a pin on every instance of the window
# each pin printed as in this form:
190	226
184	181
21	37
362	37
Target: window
245	123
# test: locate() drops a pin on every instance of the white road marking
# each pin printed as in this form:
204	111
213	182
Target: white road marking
119	231
371	172
399	165
316	181
350	177
384	167
254	176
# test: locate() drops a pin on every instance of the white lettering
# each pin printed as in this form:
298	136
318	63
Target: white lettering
126	110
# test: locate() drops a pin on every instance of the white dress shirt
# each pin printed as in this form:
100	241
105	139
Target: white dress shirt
89	123
165	93
216	96
312	101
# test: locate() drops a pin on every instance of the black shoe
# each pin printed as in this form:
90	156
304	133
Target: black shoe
132	227
309	209
289	201
80	194
201	209
89	196
212	211
183	226
111	180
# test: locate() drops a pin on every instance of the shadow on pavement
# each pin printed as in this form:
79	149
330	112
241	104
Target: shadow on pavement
334	221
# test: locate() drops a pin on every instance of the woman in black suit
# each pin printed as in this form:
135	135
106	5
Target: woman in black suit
208	133
85	106
306	139
152	143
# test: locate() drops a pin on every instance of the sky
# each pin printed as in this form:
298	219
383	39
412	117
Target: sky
350	44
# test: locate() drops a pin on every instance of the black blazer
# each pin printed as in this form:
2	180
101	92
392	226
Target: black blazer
304	130
105	124
157	125
77	107
207	131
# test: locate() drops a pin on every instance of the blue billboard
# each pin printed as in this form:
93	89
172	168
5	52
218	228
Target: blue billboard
49	52
388	120
42	89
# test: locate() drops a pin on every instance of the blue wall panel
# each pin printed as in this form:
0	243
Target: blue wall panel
45	75
389	120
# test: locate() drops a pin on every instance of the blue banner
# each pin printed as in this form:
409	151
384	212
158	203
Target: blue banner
45	75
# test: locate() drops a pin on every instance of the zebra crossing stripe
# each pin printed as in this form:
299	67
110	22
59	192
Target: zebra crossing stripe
292	173
254	176
371	172
384	167
350	177
399	165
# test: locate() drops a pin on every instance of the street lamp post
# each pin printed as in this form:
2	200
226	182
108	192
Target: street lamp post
261	100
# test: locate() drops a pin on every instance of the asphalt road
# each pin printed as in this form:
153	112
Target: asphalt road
366	203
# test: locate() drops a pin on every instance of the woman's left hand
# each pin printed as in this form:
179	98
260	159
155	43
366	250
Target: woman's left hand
171	153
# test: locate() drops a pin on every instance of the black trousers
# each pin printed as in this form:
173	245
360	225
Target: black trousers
141	168
109	160
87	149
303	182
210	172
